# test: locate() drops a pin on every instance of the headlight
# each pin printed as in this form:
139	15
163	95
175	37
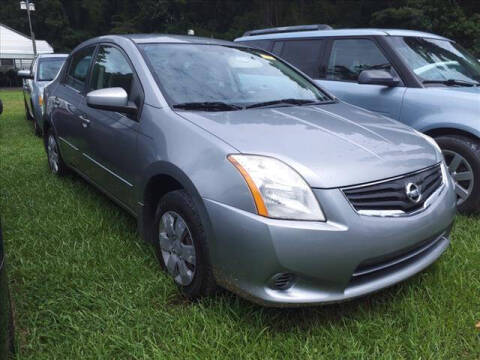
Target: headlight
278	190
40	103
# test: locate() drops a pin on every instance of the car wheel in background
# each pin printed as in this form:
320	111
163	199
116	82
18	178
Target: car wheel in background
181	245
462	156
36	128
27	113
55	161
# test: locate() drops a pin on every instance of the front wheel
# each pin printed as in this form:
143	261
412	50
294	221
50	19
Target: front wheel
462	156
181	245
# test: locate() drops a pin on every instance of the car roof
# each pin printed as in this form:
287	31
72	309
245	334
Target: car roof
341	32
44	56
160	38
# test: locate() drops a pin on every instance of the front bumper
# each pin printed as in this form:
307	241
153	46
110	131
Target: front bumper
347	256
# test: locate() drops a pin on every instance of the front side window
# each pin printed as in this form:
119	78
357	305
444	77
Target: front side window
49	68
111	69
192	73
79	66
350	57
305	55
437	60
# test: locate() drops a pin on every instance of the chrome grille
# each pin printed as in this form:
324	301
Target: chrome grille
392	195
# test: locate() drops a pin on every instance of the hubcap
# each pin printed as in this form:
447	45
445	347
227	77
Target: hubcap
178	250
52	153
462	174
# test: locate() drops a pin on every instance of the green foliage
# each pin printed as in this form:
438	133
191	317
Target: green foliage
401	18
67	23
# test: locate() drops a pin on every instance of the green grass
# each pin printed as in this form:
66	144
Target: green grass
86	287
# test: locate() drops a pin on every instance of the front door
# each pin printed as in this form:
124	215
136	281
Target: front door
111	137
349	57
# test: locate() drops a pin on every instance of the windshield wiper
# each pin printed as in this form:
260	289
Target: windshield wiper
284	101
451	82
207	106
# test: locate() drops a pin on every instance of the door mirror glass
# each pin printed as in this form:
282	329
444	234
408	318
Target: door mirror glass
111	99
378	77
26	74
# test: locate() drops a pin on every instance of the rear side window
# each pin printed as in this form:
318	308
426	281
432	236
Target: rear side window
260	44
349	57
78	70
111	69
304	54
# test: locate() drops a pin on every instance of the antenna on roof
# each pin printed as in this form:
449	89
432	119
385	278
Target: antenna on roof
285	29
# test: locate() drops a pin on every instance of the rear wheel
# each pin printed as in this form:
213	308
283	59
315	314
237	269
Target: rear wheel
181	245
55	161
462	156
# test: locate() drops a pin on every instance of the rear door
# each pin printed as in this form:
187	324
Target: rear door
66	115
347	57
111	137
28	87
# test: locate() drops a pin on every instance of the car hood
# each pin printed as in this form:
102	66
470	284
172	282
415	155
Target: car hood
475	91
332	145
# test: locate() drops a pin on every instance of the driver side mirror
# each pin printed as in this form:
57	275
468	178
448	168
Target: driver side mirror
111	99
26	74
378	77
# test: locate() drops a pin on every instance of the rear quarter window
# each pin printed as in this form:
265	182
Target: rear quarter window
304	54
79	67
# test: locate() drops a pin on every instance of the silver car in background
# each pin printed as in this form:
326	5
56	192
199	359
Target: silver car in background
43	70
243	173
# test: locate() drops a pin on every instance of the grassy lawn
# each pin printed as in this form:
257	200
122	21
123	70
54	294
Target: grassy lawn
86	287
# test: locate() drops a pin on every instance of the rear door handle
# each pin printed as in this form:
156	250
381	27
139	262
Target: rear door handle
85	121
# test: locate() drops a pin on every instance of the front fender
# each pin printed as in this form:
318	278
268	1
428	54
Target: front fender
426	109
448	121
164	168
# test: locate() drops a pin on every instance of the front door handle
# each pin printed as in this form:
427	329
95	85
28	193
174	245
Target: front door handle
56	102
85	121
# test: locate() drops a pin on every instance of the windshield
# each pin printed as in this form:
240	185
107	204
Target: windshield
239	77
437	60
48	69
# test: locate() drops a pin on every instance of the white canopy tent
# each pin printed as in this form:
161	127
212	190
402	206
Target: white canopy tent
16	49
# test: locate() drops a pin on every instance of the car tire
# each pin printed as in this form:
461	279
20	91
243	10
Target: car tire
182	249
462	155
55	161
27	113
